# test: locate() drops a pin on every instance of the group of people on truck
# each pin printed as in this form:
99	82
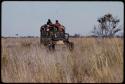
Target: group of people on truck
53	28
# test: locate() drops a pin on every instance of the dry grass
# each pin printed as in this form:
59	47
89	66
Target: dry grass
92	61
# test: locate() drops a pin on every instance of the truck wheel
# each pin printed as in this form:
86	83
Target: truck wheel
51	46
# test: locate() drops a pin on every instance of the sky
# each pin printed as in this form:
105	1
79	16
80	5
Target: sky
25	17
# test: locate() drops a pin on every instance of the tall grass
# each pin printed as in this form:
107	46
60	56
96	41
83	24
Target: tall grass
92	61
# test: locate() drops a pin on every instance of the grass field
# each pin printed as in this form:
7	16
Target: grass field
92	61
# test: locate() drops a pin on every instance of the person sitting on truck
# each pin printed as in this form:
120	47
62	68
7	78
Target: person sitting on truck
59	26
49	22
51	27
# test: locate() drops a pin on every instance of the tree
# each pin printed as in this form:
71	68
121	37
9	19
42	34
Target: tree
76	35
107	26
17	35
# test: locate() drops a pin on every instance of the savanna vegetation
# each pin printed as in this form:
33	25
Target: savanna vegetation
93	60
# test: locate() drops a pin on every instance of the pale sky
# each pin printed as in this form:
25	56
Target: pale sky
26	17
